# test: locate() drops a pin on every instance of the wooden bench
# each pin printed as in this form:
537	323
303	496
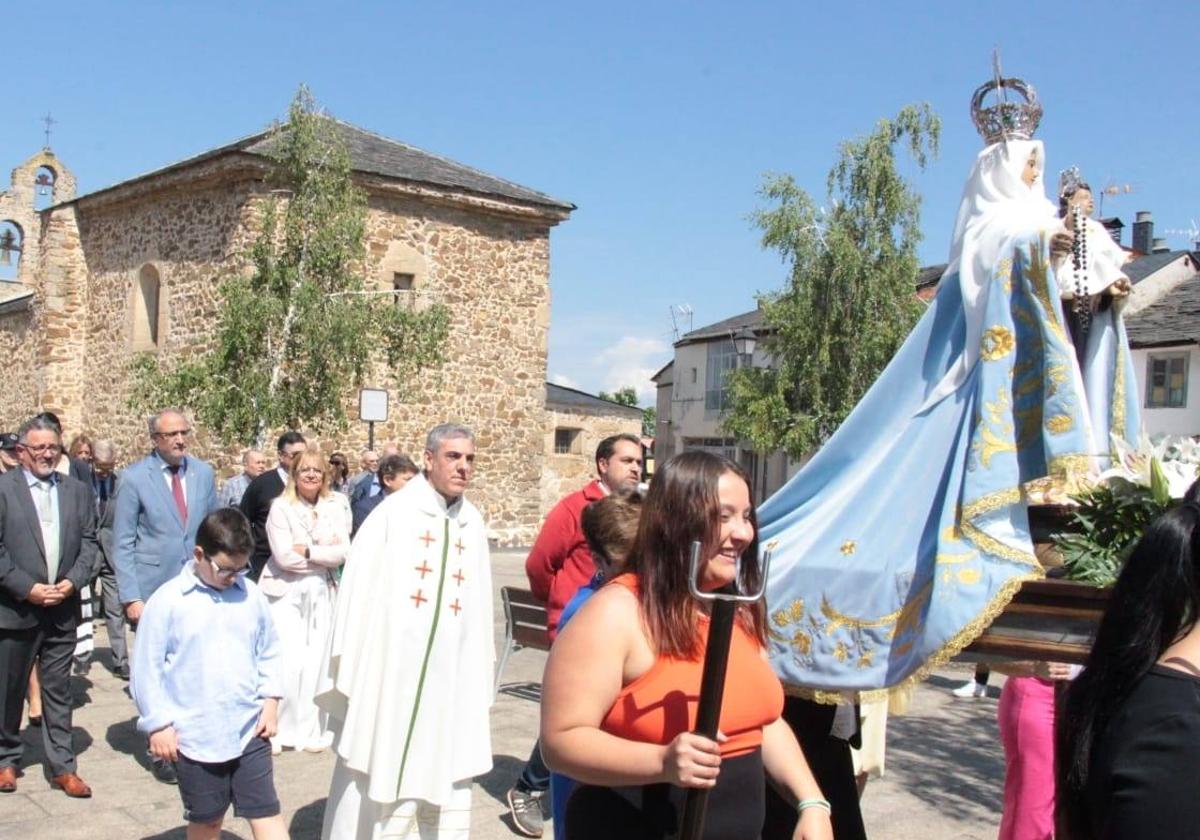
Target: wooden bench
524	624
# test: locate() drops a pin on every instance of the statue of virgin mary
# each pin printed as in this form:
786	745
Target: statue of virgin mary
908	532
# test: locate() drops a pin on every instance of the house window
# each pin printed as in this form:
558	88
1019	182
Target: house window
146	310
693	376
401	282
568	441
726	447
1166	381
722	358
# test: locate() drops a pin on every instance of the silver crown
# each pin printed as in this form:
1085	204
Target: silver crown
1006	120
1068	181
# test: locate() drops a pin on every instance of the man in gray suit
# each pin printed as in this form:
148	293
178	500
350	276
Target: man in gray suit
47	554
163	499
105	483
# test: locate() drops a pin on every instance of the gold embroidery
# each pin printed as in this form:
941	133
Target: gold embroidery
940	657
1118	397
1057	374
1004	274
841	651
848	547
1060	424
992	442
840	619
997	342
1038	274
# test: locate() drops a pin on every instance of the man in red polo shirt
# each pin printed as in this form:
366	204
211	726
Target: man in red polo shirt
557	566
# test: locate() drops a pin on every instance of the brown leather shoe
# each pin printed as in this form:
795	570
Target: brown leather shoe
8	779
72	786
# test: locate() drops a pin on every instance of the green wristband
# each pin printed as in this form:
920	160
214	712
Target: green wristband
814	803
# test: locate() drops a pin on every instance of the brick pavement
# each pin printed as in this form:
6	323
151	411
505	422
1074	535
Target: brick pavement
944	765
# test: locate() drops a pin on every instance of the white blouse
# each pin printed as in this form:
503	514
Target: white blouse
324	528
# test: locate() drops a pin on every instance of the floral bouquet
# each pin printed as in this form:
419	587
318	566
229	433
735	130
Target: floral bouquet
1113	512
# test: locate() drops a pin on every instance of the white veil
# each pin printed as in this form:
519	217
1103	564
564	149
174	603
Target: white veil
996	209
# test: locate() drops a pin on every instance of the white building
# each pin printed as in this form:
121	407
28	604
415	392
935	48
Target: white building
1163	321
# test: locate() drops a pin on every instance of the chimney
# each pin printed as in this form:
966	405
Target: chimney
1114	226
1143	232
1160	245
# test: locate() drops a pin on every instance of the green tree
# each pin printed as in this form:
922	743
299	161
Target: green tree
300	329
649	421
624	396
848	303
628	396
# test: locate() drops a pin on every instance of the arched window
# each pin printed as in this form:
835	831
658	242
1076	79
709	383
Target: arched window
43	187
11	238
146	295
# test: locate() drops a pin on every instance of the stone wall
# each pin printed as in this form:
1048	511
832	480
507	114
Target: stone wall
565	474
18	349
489	267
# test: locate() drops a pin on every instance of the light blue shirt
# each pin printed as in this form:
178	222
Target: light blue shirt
233	490
48	540
33	481
204	661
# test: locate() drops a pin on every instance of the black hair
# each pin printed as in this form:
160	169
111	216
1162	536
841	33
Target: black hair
392	465
225	530
288	438
1154	602
609	445
1066	196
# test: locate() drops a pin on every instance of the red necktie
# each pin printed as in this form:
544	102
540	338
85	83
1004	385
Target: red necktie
177	492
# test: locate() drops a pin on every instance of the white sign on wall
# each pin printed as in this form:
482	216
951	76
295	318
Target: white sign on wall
373	405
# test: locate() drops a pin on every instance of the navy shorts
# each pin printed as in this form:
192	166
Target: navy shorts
247	781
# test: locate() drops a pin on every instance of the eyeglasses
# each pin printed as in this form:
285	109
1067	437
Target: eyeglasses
44	449
179	433
222	572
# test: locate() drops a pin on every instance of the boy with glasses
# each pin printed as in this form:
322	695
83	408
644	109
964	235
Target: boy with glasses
207	684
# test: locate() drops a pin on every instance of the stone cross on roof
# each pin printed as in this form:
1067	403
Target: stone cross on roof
48	121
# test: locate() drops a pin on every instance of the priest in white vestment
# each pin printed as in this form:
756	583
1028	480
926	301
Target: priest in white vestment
408	675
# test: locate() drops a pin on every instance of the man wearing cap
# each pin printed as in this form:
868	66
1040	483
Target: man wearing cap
8	452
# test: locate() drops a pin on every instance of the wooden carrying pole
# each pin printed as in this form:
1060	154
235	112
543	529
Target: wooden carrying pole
712	681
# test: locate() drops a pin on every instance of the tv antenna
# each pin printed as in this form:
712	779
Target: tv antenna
1192	233
680	312
1114	189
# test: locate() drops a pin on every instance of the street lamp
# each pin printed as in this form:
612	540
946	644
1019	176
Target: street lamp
744	341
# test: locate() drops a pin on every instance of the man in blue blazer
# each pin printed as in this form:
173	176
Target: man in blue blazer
162	501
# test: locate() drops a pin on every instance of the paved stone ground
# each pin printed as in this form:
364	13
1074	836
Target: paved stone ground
944	765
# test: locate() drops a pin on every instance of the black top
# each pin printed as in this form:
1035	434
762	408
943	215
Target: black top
256	505
1144	779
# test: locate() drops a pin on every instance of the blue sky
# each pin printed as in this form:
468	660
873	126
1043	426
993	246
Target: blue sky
657	119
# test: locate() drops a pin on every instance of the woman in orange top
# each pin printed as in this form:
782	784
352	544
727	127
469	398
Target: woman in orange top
623	680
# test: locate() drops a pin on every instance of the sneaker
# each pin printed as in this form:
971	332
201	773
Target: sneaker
970	690
525	808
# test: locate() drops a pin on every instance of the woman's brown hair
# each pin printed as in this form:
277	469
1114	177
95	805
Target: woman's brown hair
78	442
683	506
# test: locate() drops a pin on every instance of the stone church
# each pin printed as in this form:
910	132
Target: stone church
87	281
